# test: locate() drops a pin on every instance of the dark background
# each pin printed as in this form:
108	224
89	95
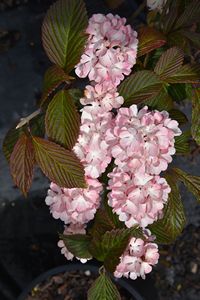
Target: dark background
28	234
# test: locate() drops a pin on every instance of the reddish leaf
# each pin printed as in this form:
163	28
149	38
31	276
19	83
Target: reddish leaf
62	120
142	85
10	140
169	63
149	40
22	163
58	164
54	76
63	32
186	74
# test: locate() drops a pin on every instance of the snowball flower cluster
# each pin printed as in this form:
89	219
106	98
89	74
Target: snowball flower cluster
137	198
138	259
143	140
74	205
142	143
71	229
156	4
91	147
110	51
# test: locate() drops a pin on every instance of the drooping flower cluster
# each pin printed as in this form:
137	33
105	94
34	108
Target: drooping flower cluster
138	259
110	52
142	143
69	230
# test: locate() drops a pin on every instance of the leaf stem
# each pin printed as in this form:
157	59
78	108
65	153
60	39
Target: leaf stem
24	121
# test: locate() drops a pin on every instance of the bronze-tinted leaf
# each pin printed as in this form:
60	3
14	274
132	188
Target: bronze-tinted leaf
142	85
22	163
62	120
186	74
169	63
195	129
58	164
149	40
63	32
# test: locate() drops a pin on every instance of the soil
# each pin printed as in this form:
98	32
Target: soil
68	286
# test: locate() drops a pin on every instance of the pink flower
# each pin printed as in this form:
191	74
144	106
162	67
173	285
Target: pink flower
74	205
72	229
143	139
106	99
138	259
137	198
110	52
91	148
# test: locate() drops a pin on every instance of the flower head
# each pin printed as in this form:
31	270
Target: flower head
74	205
137	198
138	259
110	52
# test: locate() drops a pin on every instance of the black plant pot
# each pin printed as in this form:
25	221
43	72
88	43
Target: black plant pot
78	267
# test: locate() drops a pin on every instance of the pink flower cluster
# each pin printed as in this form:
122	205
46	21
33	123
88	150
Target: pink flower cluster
74	205
138	259
142	143
71	229
110	51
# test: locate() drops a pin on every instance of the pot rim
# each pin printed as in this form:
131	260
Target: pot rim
75	267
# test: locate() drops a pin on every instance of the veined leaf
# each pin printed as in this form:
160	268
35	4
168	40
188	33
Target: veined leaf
169	63
186	74
62	120
53	78
161	102
37	126
178	92
178	115
63	33
189	16
103	289
22	163
143	85
149	40
182	145
190	181
171	225
194	37
112	244
169	15
11	139
58	164
195	129
77	244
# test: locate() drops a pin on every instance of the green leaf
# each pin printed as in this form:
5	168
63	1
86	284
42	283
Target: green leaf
189	16
76	95
11	139
63	32
194	37
103	289
178	115
37	125
161	102
182	143
112	244
169	63
171	225
58	164
178	92
53	78
77	244
186	74
195	129
149	40
62	120
191	182
22	163
143	85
